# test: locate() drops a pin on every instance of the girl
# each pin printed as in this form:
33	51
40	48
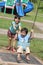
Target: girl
13	31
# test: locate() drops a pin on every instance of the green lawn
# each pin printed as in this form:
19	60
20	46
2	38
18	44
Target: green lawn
3	40
0	0
29	16
6	23
36	45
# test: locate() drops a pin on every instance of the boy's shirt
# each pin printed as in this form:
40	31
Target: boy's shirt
14	27
23	41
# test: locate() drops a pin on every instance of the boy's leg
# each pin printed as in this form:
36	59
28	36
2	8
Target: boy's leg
19	52
27	53
19	56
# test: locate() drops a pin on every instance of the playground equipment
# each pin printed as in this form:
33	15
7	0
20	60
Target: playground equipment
19	9
2	4
29	8
9	4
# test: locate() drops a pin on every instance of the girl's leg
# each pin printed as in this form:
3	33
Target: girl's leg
14	42
9	41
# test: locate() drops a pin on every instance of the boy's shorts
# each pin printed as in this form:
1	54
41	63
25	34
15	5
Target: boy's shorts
11	35
20	50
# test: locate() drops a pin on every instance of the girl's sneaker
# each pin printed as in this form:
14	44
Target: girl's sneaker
13	50
8	48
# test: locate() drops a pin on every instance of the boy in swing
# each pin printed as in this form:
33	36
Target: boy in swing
23	43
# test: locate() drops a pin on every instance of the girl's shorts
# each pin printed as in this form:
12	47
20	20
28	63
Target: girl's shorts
10	34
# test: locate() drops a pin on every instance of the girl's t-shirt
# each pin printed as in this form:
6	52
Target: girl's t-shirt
14	27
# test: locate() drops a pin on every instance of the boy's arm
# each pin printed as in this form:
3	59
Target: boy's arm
31	34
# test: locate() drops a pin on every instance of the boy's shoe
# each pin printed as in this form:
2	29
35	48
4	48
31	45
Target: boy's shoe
19	60
27	58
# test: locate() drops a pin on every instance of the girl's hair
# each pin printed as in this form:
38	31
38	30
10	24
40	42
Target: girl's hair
16	16
24	29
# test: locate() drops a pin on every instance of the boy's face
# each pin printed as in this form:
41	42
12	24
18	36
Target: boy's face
17	20
23	33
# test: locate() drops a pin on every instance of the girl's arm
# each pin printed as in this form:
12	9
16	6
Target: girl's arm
18	31
13	24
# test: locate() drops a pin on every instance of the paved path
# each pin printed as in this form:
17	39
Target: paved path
36	35
38	24
9	58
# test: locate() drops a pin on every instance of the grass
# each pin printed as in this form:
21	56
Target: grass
36	45
29	16
0	0
3	40
6	23
6	15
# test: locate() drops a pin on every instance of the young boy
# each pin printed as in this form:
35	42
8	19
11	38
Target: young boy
23	43
13	31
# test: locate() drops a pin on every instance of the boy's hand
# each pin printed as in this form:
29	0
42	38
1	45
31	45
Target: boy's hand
32	30
32	33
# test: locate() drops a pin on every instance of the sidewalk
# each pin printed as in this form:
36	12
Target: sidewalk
36	35
8	58
38	24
